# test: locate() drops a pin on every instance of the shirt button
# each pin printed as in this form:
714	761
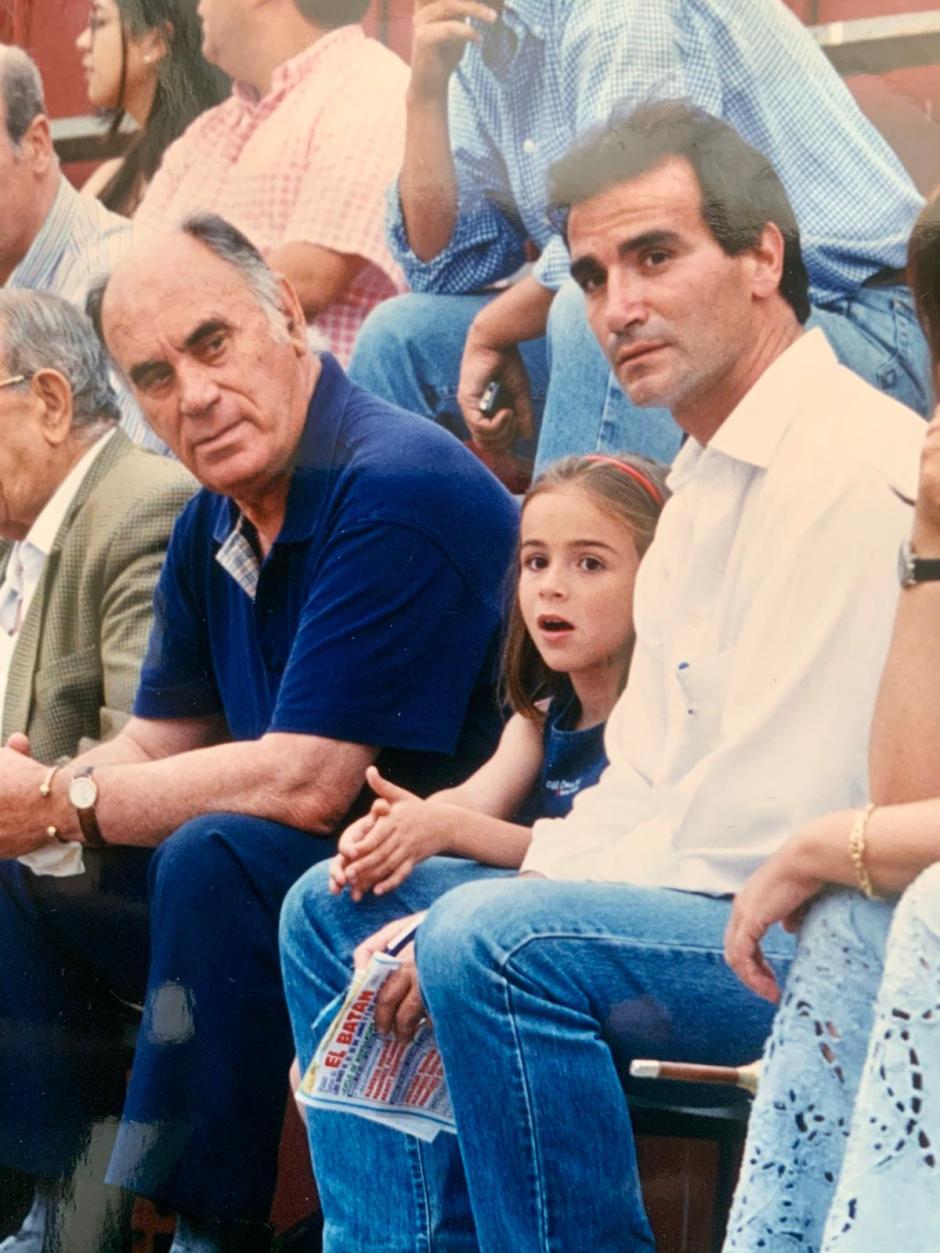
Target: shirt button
529	146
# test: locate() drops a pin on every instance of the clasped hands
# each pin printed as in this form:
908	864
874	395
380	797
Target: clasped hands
380	850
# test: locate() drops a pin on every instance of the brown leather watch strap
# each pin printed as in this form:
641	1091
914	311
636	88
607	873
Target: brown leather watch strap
87	818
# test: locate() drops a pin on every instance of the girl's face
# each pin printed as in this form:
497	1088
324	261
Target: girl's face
578	566
100	46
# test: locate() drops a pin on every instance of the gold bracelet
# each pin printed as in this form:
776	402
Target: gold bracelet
857	849
45	788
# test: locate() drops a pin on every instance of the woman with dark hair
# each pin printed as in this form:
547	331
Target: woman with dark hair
843	1152
144	58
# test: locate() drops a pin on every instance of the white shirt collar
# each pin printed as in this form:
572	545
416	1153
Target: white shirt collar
755	427
41	535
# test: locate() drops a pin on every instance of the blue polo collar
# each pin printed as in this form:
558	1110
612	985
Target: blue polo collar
315	463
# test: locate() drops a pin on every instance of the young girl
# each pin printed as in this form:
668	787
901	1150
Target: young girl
586	522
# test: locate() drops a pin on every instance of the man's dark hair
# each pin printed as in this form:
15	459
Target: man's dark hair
333	12
740	189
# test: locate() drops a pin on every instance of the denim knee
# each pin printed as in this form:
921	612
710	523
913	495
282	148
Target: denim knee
460	939
195	856
567	307
397	321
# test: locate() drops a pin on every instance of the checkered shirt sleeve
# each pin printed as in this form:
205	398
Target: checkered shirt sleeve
574	61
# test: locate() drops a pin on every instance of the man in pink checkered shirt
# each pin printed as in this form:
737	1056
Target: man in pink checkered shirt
301	154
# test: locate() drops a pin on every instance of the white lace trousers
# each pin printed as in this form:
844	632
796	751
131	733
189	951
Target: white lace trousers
843	1149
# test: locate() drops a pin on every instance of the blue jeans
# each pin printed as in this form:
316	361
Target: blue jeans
542	993
409	351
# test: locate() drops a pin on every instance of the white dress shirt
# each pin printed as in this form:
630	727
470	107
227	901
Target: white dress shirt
763	613
26	562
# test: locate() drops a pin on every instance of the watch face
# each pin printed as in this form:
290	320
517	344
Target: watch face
83	792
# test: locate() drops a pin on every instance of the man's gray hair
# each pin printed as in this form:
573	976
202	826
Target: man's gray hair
21	88
39	331
229	244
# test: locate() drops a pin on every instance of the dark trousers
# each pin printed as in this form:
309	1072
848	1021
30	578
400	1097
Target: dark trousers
189	930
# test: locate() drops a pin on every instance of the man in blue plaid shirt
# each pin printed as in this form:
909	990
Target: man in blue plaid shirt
499	92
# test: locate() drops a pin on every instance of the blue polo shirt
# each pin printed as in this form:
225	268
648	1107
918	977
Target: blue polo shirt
377	611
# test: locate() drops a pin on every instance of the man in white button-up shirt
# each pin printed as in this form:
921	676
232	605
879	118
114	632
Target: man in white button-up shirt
763	612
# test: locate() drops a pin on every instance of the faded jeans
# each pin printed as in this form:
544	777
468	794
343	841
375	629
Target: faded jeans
541	992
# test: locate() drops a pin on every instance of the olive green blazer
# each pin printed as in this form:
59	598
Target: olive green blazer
74	671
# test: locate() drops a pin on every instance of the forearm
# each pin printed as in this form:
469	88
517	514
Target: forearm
900	842
142	801
481	837
518	314
427	185
905	732
320	276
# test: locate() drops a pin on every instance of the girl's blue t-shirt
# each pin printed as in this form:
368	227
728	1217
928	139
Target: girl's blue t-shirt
572	760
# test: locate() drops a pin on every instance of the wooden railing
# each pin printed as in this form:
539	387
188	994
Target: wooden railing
872	45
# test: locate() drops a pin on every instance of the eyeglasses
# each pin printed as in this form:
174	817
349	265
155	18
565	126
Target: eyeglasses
14	378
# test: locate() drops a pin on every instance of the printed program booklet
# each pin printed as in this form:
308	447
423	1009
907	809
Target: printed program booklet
359	1071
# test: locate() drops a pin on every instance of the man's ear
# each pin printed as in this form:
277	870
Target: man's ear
36	144
767	256
54	393
293	315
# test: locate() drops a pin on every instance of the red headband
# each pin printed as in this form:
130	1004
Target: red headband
637	475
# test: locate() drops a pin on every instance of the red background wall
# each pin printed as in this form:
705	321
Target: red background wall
902	103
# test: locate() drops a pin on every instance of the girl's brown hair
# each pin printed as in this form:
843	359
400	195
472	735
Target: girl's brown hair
631	489
923	274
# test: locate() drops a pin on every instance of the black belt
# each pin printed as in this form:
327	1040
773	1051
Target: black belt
886	277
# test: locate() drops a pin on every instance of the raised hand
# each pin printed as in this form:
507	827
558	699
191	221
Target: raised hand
440	33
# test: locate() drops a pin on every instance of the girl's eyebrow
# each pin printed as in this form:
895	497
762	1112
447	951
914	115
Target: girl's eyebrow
571	543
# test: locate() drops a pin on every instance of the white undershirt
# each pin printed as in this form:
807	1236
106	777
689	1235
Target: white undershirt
31	552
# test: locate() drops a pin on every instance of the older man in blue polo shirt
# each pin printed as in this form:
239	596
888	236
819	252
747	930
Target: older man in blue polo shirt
331	598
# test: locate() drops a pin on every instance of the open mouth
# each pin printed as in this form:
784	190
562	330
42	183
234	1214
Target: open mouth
552	624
